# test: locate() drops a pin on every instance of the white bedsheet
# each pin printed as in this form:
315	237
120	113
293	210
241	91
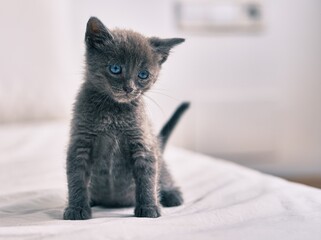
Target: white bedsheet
222	200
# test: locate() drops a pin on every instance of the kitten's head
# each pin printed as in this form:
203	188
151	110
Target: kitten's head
122	63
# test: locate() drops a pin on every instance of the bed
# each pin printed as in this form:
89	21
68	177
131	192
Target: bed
222	200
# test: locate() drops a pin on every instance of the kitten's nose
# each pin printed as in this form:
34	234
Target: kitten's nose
128	89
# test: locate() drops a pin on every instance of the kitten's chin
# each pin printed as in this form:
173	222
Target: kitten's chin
125	98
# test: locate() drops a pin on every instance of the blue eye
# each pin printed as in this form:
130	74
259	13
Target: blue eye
143	74
115	69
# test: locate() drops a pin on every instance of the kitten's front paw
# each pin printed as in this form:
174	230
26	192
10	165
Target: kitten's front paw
171	198
77	213
147	211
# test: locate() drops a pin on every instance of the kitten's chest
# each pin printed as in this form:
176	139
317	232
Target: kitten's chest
117	122
110	151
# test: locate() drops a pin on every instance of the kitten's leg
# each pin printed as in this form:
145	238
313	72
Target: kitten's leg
78	173
170	195
146	186
145	171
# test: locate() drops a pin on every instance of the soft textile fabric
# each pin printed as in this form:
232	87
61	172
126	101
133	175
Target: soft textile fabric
222	200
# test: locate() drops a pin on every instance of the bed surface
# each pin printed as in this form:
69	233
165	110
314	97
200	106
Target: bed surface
222	200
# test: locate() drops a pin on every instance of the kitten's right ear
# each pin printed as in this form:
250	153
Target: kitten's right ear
163	46
97	35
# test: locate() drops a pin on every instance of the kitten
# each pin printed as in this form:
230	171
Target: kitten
113	159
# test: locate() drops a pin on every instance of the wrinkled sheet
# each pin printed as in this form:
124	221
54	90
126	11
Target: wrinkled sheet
222	200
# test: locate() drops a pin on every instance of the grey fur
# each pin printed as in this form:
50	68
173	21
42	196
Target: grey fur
114	159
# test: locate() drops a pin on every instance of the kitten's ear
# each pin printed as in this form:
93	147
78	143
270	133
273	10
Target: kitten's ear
97	34
163	46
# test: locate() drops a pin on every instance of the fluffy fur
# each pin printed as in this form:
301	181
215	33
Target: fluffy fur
114	159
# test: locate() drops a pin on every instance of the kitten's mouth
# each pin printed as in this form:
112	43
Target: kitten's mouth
125	97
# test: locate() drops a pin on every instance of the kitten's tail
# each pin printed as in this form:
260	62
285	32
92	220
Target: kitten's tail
171	123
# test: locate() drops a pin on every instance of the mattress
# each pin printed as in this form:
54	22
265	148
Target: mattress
222	200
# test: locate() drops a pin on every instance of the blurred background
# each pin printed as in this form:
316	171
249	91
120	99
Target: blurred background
251	69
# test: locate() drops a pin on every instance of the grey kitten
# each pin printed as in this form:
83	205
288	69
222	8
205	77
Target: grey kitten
113	159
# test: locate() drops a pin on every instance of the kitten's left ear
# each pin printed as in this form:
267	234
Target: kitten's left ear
96	33
163	46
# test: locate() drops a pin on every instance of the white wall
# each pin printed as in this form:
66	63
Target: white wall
35	60
260	94
255	97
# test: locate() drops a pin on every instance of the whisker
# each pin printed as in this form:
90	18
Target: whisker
106	99
98	103
149	112
155	103
160	89
176	99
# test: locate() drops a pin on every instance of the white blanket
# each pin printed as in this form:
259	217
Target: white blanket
222	200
